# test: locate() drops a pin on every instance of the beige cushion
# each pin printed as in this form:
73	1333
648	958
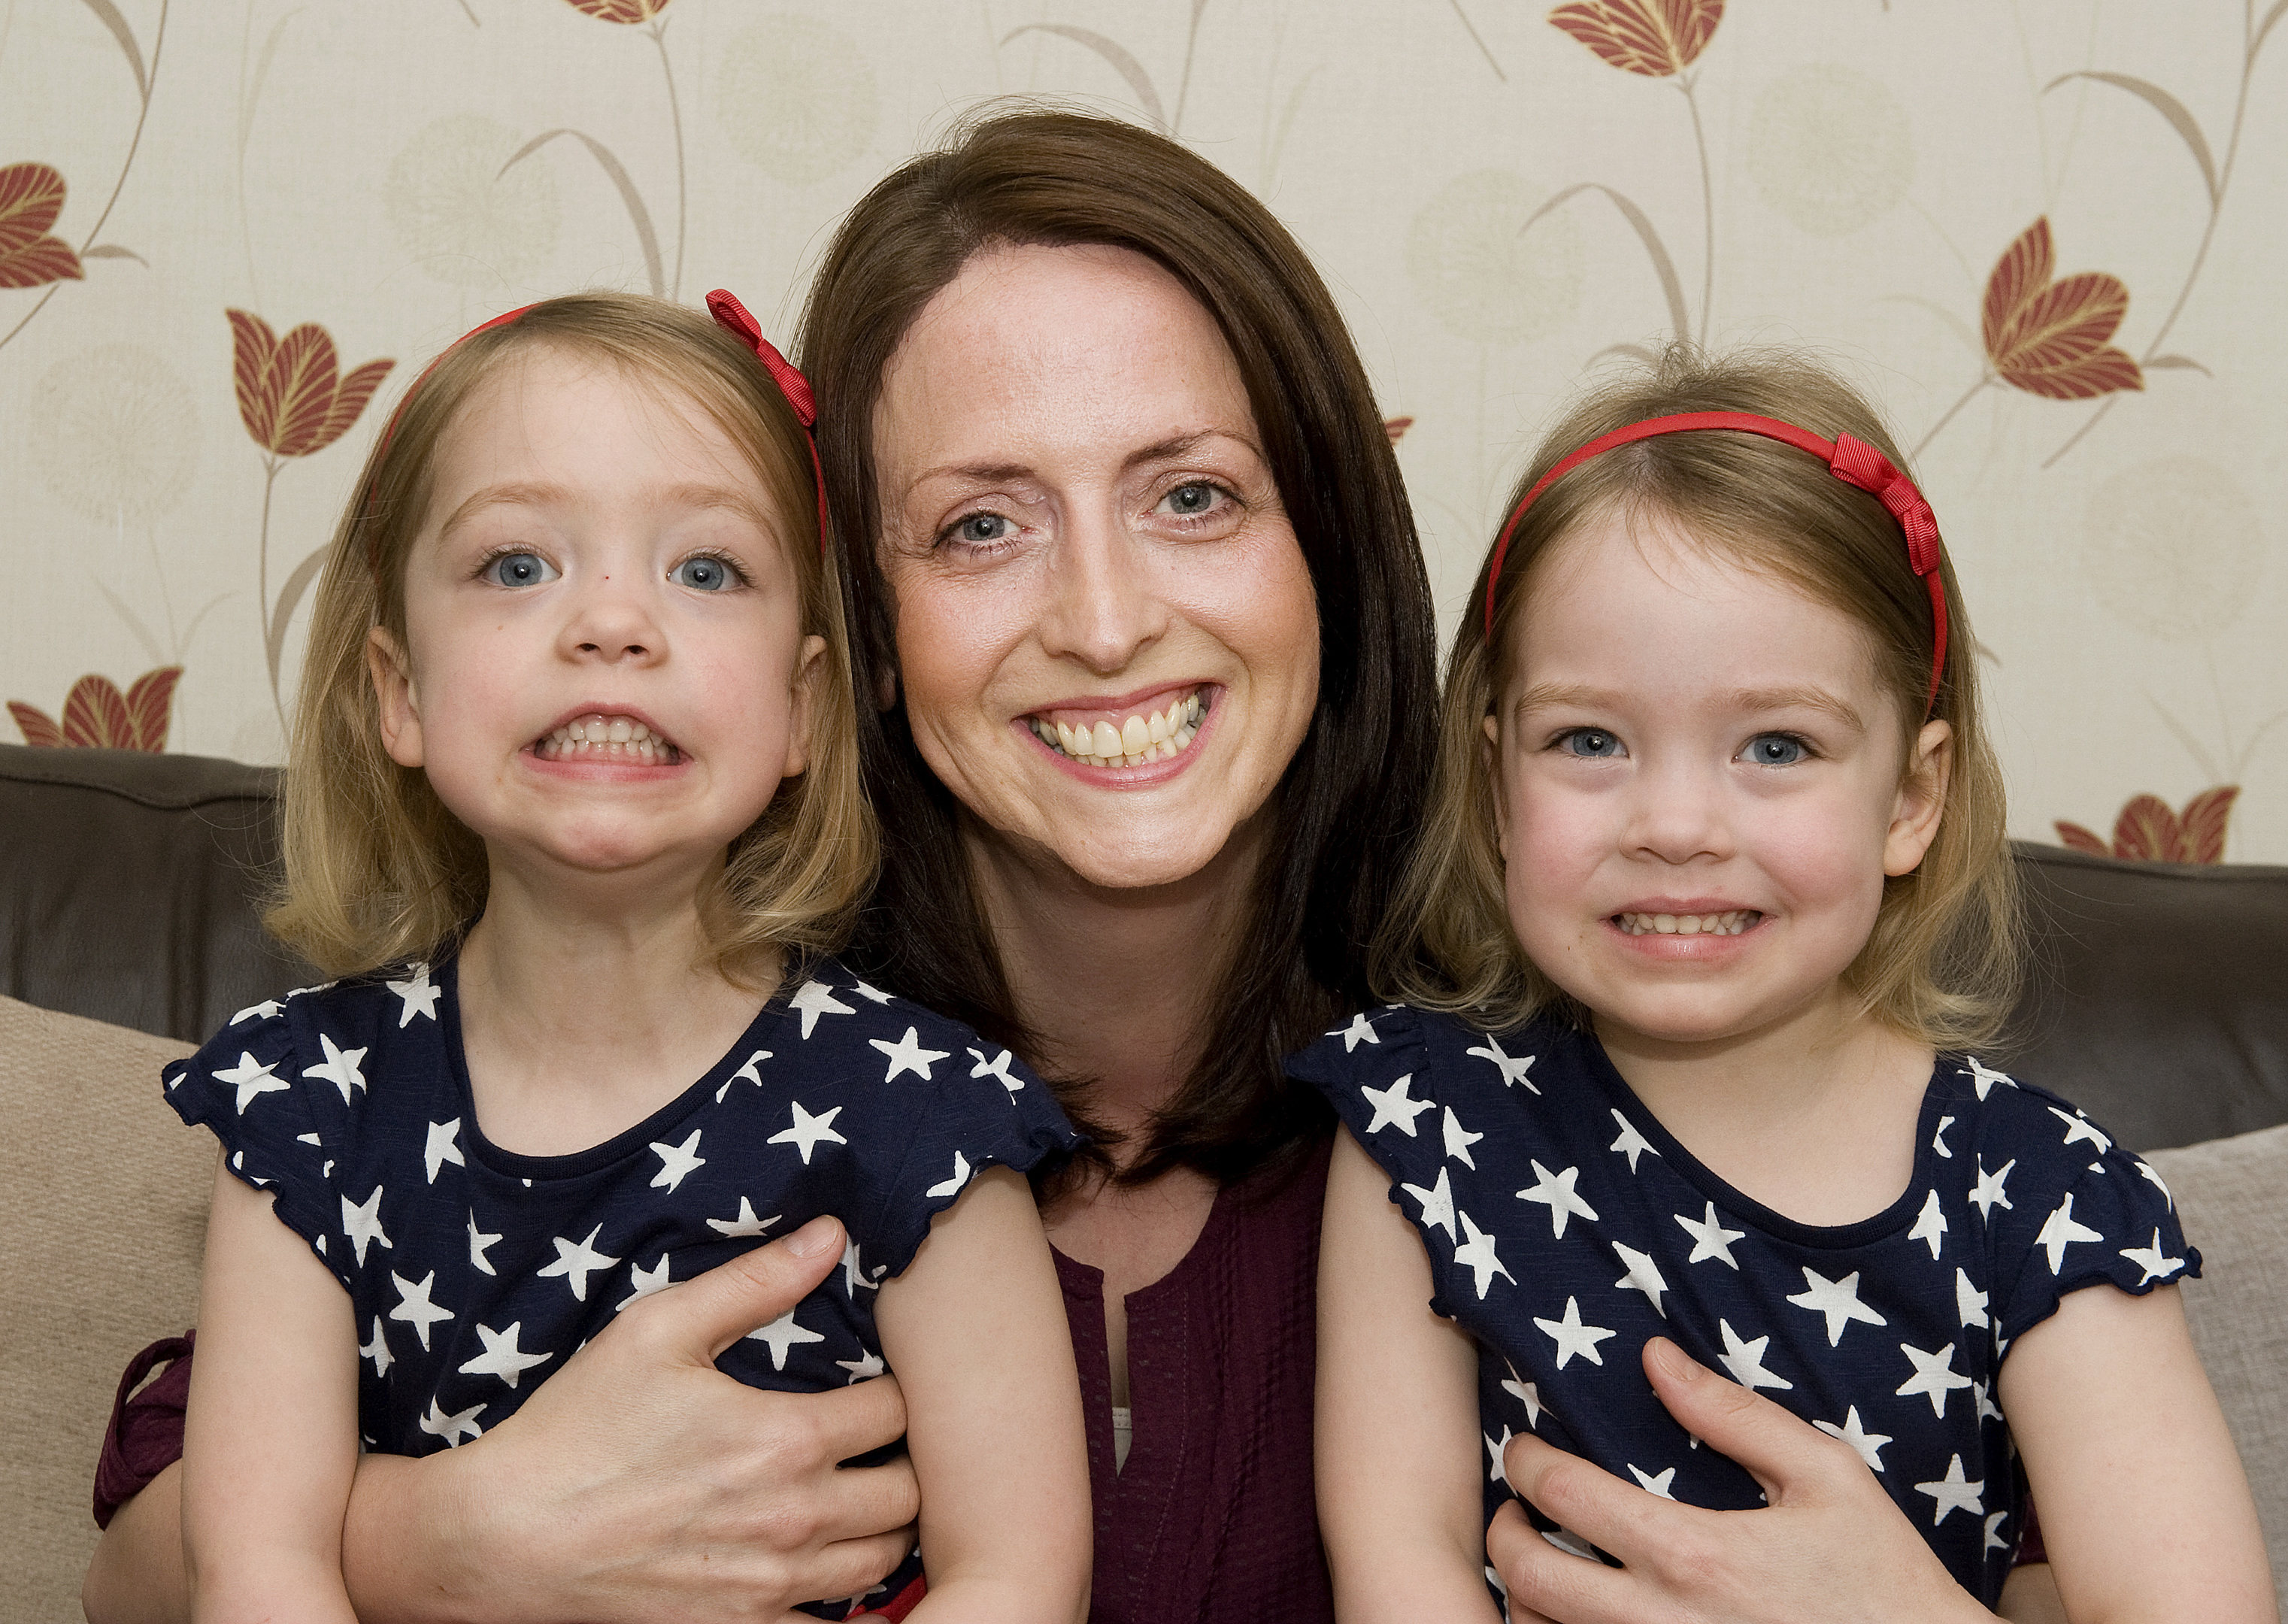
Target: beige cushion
103	1209
2232	1195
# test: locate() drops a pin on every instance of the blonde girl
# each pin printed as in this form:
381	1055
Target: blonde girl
573	814
1712	922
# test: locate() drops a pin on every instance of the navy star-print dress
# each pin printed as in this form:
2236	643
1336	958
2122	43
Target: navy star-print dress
1565	1228
475	1272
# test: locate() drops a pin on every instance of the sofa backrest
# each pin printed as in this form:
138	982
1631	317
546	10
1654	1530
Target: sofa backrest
130	883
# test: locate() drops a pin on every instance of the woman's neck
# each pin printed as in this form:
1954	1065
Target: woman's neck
584	1009
1117	985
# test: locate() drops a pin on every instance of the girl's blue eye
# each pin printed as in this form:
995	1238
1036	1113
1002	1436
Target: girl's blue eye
1773	750
702	575
515	569
1591	744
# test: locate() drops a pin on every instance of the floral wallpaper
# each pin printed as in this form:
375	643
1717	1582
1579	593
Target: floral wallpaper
2046	236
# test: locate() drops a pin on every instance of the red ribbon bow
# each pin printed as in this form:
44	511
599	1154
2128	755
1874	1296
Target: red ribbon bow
733	318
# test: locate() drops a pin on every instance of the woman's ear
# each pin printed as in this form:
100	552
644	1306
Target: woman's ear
805	709
394	697
1921	800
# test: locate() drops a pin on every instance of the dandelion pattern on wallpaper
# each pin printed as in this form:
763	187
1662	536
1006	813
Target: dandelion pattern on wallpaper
1830	149
1470	259
459	217
115	433
2174	547
795	98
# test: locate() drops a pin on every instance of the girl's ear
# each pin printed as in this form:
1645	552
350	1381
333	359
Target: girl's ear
1921	800
1489	761
805	689
394	697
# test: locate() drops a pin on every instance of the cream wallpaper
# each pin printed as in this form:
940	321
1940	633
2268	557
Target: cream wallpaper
2048	236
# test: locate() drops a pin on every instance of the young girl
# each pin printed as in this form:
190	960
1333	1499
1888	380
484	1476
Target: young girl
573	811
1715	897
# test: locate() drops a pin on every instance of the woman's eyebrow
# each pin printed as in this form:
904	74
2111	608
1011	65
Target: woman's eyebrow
1178	446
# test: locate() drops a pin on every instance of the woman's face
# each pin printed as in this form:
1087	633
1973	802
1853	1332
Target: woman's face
1107	638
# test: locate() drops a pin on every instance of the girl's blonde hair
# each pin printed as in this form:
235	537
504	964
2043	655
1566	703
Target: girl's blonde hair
1942	963
376	869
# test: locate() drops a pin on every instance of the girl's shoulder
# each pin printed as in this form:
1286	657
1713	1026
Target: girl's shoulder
336	1025
1399	1037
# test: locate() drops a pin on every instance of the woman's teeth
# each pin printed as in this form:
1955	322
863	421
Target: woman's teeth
1689	925
1155	736
601	738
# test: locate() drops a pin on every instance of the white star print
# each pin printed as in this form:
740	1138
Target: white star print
1989	1193
952	1185
1745	1360
1650	1483
744	1223
855	1277
751	1071
1394	1106
1984	1079
2060	1232
419	996
1437	1204
1953	1494
815	999
1995	1541
1360	1031
1870	1445
646	1282
250	1080
999	1066
1838	1300
1631	1144
2079	1127
907	1055
1988	1410
362	1223
1512	1067
874	994
2158	1265
1710	1237
1643	1275
378	1350
1930	1225
1477	1254
1554	1191
2154	1179
783	1333
267	1008
438	1424
1494	1447
1526	1393
339	1067
1935	1376
441	1148
865	1367
1458	1140
479	1241
576	1264
677	1162
1938	1139
1571	1336
501	1357
808	1130
1969	1302
414	1306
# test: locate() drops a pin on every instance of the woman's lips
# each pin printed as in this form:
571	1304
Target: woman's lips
1132	740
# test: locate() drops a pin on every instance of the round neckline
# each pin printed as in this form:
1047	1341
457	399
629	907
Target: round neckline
1832	1237
638	1136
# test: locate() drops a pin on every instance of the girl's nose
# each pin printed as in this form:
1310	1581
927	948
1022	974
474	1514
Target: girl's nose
611	620
1104	603
1677	815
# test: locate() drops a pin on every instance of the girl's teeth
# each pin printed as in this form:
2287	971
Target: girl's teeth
1159	736
1731	922
593	736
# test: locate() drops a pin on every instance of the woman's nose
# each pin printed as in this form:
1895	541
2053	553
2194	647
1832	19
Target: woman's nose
1104	603
611	620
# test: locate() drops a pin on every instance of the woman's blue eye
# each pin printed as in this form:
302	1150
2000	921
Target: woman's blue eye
1591	744
981	529
702	575
520	569
1773	750
1191	500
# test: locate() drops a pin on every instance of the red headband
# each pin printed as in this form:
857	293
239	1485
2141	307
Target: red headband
1853	462
732	317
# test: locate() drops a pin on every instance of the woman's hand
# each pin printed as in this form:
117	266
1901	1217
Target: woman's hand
1830	1545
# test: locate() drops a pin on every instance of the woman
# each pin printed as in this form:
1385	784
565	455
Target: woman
1114	459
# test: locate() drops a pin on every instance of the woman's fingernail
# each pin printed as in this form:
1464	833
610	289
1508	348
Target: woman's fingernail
1673	1363
819	1235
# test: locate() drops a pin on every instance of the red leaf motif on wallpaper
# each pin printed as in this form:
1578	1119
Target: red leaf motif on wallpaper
291	395
31	196
97	716
2048	337
619	11
1397	427
2148	831
1657	38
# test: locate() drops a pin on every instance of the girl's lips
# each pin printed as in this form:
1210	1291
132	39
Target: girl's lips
1716	935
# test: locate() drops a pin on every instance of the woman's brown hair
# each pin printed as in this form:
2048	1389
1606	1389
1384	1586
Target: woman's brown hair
377	869
1346	807
1942	963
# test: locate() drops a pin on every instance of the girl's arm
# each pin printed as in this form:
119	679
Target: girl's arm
639	1483
2145	1510
975	1330
1398	1462
270	1435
